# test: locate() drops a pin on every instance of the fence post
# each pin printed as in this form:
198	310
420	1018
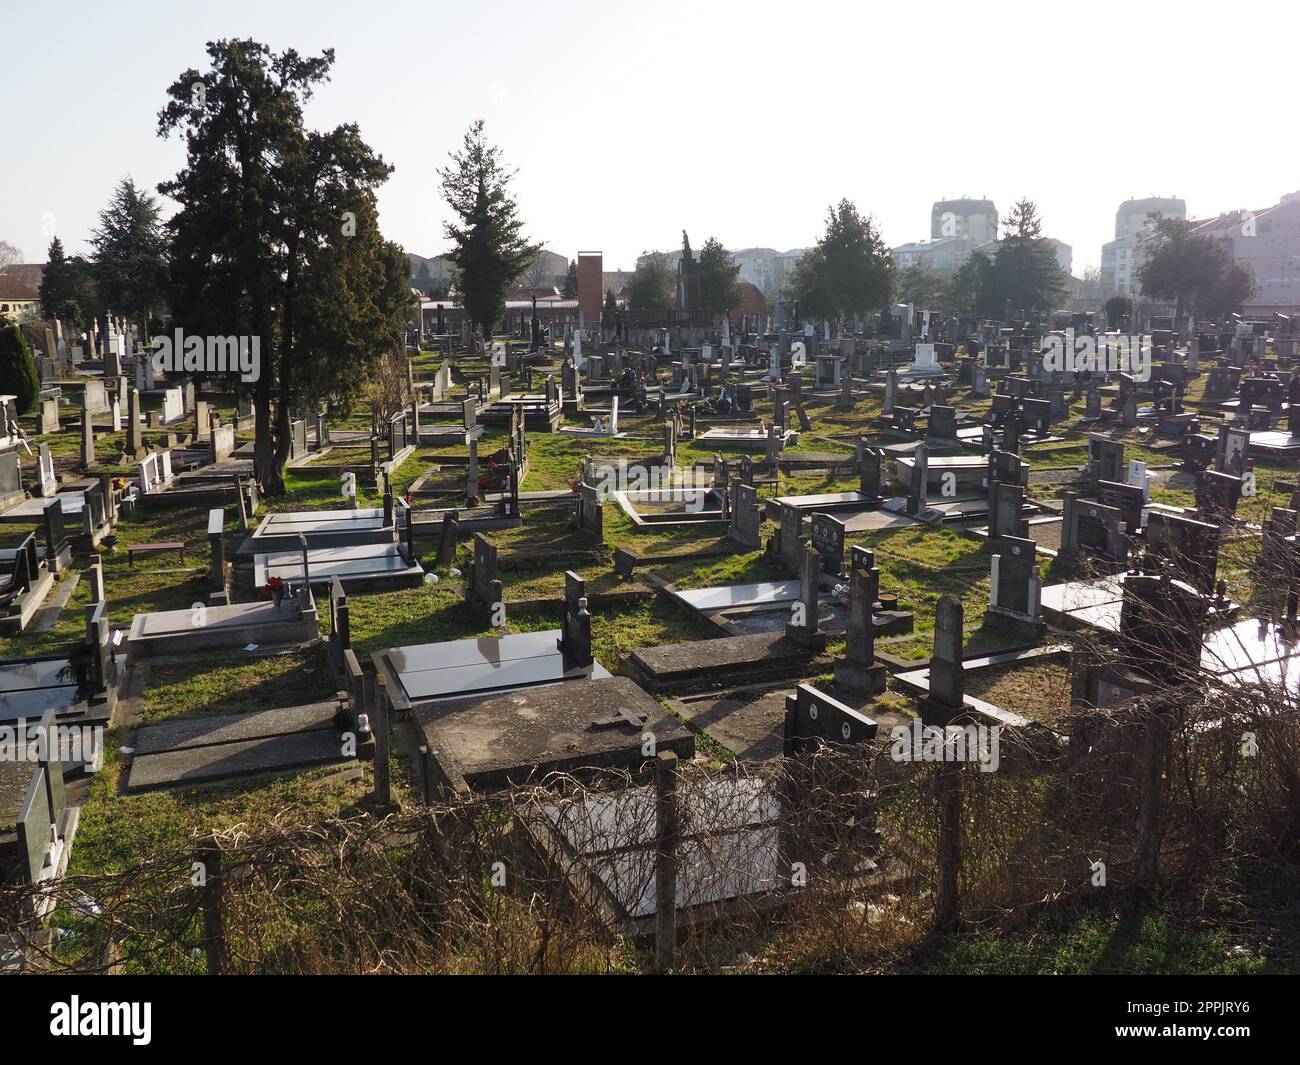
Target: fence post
379	729
1155	755
946	912
666	831
214	933
426	781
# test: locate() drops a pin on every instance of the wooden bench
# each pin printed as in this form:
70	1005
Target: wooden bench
166	545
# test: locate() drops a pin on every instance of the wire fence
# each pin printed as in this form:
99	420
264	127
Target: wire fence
830	859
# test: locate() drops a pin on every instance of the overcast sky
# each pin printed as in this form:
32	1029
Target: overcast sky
629	122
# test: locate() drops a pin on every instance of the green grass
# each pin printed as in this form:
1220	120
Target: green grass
919	564
1132	944
236	686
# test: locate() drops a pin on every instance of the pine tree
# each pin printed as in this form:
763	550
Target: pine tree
130	257
68	290
488	245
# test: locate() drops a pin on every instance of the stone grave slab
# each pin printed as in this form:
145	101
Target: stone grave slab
510	738
492	664
608	843
737	595
31	686
725	437
1275	444
705	663
322	528
200	750
175	632
822	501
30	510
1254	652
877	520
1096	603
215	729
359	566
751	728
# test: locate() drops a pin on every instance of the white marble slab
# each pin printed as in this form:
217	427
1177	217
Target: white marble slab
741	595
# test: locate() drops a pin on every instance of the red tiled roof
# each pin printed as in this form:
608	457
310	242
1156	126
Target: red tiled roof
13	289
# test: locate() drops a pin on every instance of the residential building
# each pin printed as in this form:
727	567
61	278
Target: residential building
974	220
1268	241
1122	258
18	301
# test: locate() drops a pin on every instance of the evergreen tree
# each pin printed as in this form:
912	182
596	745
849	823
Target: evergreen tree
68	290
969	288
653	286
130	257
276	236
1233	287
921	287
719	292
17	367
849	273
1117	308
1025	271
488	245
1182	267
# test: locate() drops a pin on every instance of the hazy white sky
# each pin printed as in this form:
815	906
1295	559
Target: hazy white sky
631	121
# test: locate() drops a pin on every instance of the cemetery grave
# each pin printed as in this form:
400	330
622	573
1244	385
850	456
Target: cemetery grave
778	582
37	824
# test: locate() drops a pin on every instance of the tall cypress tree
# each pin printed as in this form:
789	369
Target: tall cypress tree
488	245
